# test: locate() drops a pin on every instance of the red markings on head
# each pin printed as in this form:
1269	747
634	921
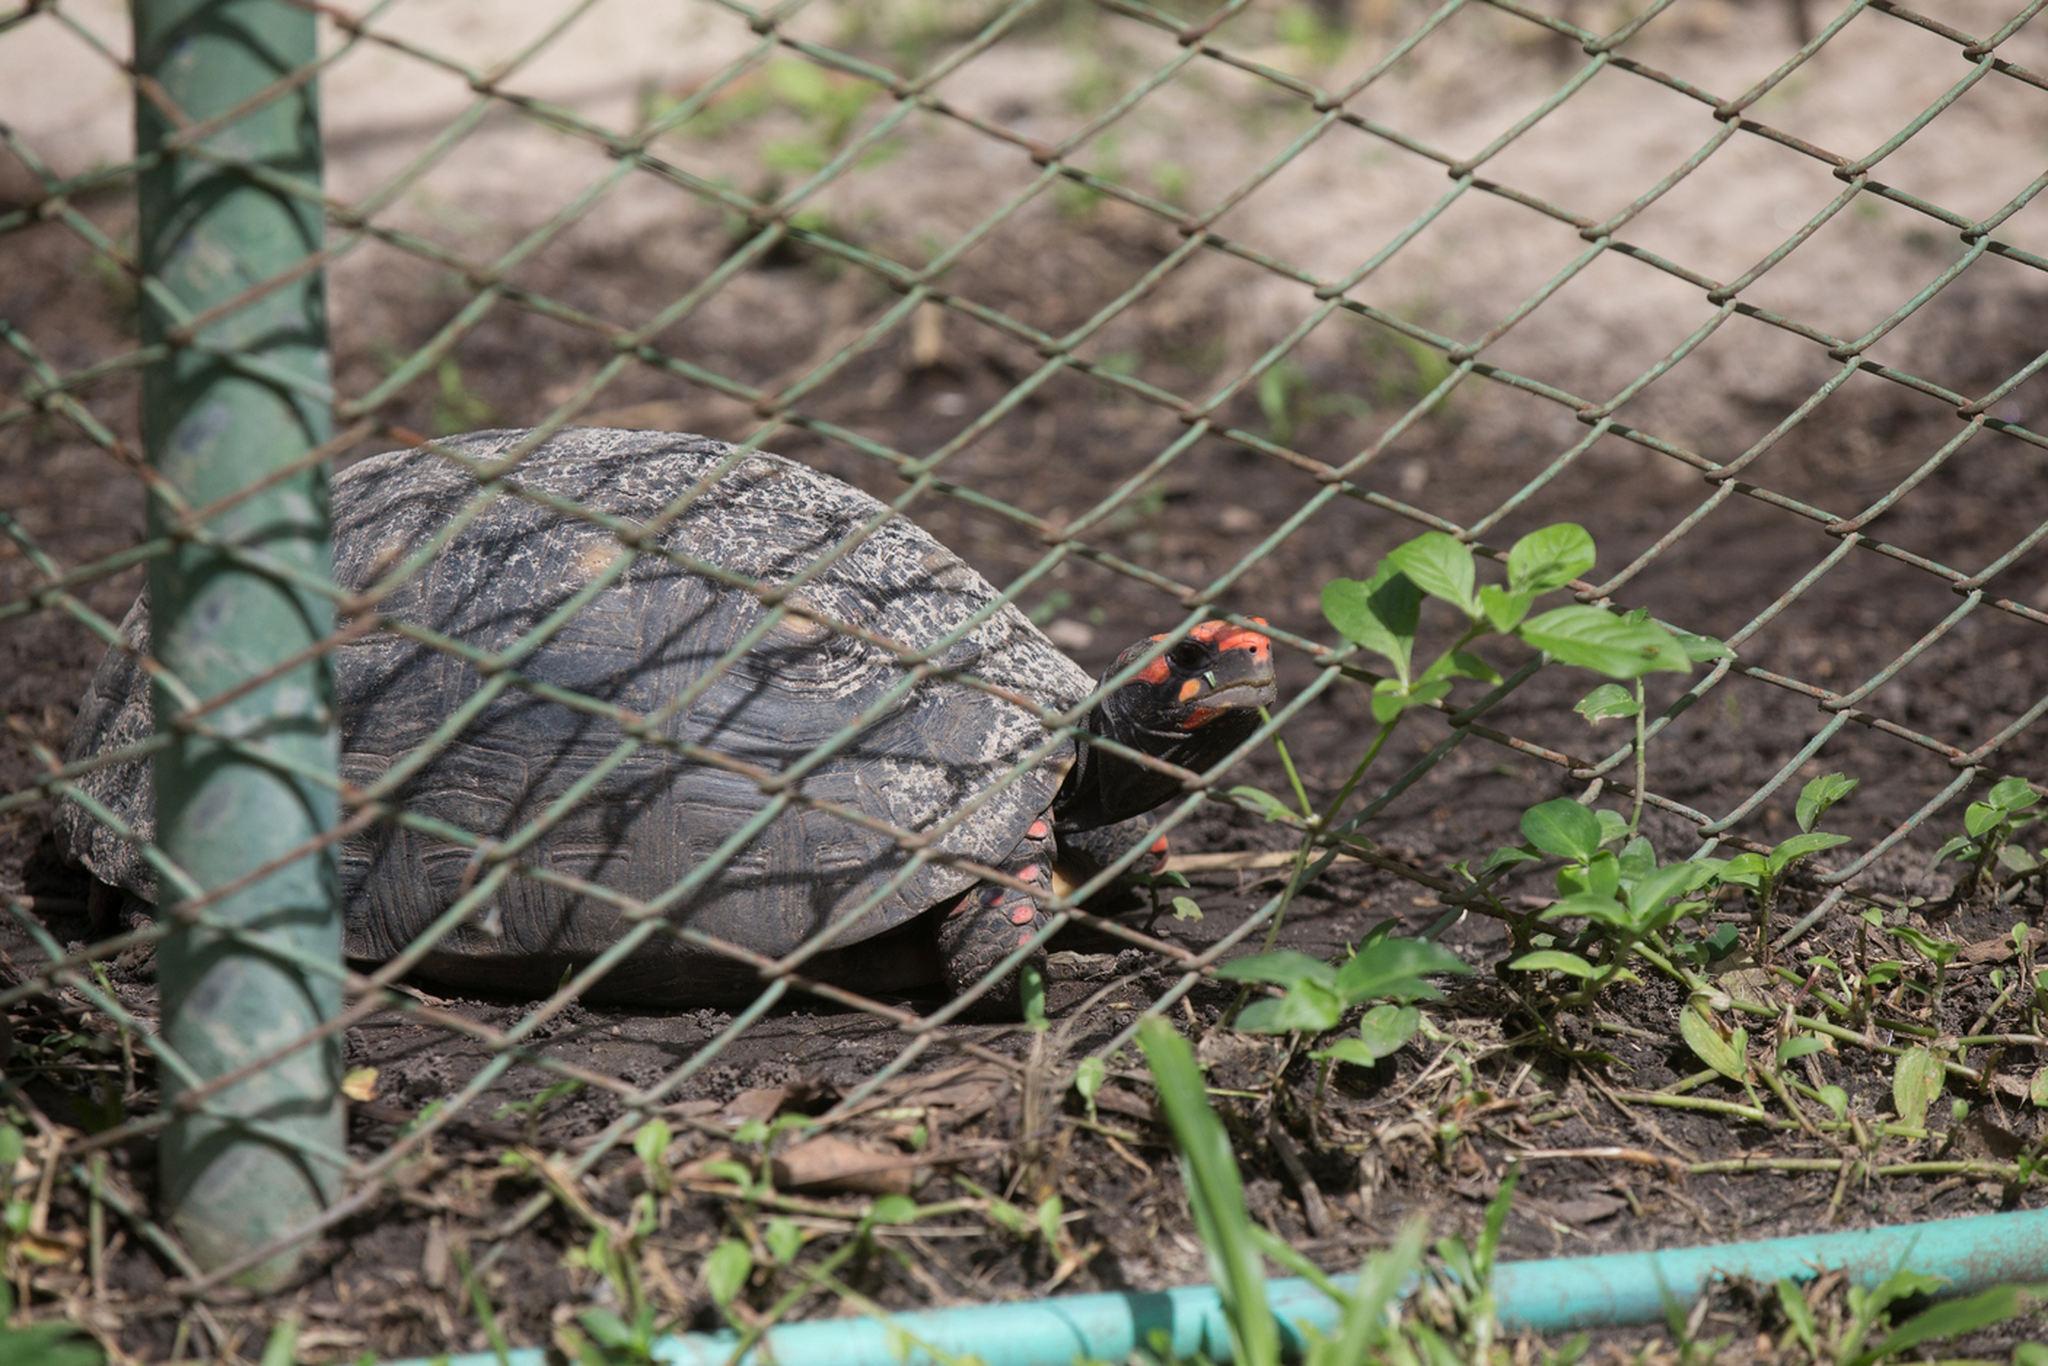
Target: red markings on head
1201	716
1226	635
1190	688
1155	672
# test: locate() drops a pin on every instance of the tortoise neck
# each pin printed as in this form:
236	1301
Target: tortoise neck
1103	788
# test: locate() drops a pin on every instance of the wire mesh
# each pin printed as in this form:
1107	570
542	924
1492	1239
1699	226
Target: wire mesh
862	108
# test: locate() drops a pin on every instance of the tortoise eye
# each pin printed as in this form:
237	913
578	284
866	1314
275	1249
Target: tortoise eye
1187	656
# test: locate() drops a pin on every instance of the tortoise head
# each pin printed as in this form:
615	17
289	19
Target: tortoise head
1190	706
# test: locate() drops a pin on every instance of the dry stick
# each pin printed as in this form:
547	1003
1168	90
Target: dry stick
1312	1206
1639	1156
1241	860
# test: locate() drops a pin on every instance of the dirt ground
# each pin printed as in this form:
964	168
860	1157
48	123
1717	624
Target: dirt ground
980	1112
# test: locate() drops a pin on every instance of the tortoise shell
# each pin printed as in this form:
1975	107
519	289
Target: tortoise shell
694	833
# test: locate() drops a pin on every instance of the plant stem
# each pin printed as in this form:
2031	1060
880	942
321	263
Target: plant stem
1308	811
1635	814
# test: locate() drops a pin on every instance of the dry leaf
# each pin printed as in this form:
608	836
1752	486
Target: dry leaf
360	1084
835	1163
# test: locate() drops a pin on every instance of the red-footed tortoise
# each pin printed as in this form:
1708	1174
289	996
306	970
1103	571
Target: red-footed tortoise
972	773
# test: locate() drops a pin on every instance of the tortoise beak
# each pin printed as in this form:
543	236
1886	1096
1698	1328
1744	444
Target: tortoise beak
1241	680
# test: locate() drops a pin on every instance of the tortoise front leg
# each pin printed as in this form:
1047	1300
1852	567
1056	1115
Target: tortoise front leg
1084	853
991	921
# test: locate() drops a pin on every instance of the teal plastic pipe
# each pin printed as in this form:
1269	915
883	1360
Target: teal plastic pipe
1558	1295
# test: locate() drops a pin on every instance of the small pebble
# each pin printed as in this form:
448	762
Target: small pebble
1069	634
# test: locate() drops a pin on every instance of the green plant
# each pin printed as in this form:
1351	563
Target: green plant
1622	894
1988	828
1316	996
1371	1322
1865	1311
1764	874
1215	1193
457	406
46	1344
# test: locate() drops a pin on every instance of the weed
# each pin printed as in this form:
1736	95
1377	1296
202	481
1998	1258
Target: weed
1382	615
1316	996
1988	829
457	407
1370	1322
46	1344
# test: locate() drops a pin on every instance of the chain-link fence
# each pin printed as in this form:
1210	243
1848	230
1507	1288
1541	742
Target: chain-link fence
1158	316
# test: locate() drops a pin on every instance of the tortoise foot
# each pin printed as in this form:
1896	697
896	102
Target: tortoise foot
993	921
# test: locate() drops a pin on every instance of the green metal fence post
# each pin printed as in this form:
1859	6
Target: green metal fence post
230	406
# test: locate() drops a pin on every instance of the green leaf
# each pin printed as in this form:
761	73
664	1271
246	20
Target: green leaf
2038	1091
1487	1245
1959	847
1381	1034
1460	664
1594	638
1266	804
1599	876
1613	827
1799	847
1646	894
1799	1314
650	1143
1386	1028
1505	855
279	1349
1916	1081
1394	968
1355	1051
1049	1211
1801	1045
1951	1319
1215	1191
1564	828
784	1240
610	1330
1608	702
1555	960
1391	697
1723	1053
1185	908
1504	610
1701	649
1089	1076
1031	990
1549	557
1282	967
1744	870
1938	951
1601	910
2014	794
1308	1007
726	1270
1837	1101
1379	613
1441	566
1979	818
1820	794
893	1209
48	1344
